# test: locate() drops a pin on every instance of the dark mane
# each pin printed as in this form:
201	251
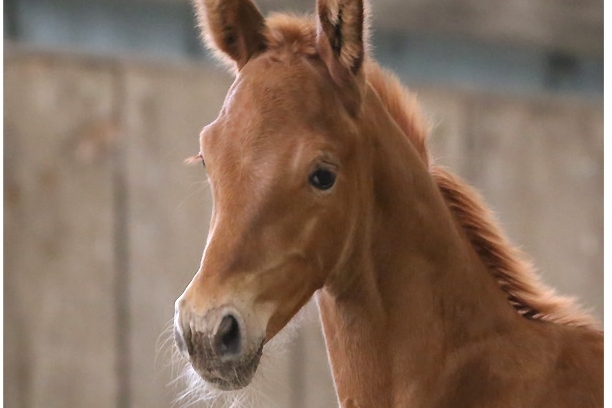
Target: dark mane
515	275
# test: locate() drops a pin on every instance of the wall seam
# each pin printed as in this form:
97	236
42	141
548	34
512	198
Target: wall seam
121	246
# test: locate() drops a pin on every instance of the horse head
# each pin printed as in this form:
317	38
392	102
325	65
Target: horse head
285	170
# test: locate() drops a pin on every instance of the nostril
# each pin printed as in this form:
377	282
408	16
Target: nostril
227	337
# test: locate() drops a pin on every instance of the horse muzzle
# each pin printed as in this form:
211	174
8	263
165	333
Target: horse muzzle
217	345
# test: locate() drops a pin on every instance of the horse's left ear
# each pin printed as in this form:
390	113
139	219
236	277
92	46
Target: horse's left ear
232	28
340	40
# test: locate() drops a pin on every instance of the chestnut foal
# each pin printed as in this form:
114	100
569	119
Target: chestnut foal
322	185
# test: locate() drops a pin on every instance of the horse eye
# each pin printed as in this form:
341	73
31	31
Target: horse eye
322	179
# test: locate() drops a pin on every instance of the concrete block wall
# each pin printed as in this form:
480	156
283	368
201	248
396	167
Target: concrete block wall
105	225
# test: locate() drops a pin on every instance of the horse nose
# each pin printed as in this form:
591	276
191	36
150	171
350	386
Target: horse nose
215	340
218	333
227	337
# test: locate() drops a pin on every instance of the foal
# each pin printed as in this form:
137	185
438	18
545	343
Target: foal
322	185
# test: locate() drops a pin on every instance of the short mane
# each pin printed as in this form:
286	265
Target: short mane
515	275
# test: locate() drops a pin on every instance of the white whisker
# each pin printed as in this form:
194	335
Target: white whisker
196	391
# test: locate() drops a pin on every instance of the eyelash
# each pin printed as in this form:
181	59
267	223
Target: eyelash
201	157
193	159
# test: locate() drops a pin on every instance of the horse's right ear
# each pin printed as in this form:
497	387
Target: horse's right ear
231	28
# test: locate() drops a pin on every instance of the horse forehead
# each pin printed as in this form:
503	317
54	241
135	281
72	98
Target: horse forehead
274	108
258	111
271	87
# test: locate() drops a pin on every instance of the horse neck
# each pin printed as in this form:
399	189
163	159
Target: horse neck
413	291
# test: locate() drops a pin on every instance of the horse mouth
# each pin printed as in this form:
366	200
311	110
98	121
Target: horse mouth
228	375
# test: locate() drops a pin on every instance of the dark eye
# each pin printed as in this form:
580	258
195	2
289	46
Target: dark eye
322	179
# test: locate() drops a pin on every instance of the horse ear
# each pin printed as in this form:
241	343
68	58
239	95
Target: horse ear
340	37
231	28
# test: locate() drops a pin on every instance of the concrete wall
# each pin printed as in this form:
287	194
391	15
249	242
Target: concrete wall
104	225
574	28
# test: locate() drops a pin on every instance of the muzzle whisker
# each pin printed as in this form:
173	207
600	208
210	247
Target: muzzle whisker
165	345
